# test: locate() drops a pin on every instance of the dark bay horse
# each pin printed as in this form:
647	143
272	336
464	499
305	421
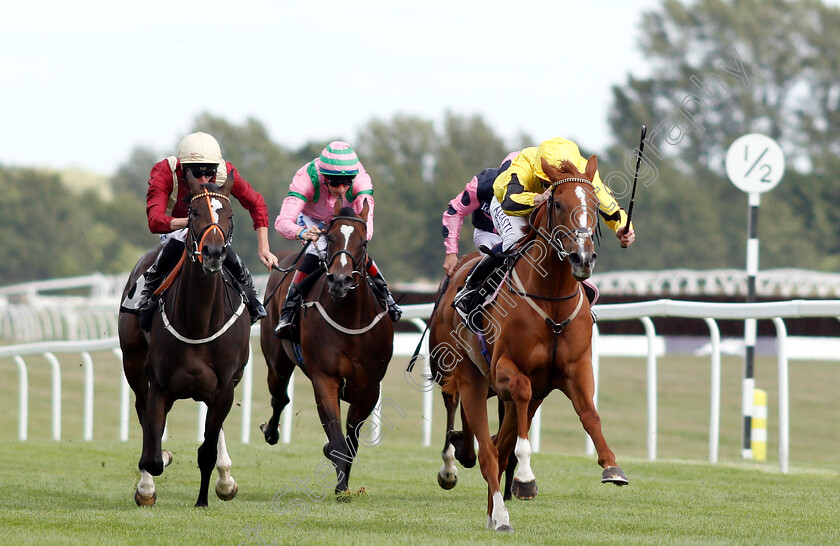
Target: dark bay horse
345	344
197	346
537	335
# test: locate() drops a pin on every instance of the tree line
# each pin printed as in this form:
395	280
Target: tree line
717	69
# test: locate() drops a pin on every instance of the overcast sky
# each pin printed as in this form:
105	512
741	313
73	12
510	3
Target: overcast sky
84	82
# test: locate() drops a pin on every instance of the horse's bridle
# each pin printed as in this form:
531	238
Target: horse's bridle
578	232
357	273
195	242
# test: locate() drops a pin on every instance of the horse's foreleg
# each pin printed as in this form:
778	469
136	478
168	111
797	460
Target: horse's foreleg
208	450
226	486
580	389
510	379
152	459
474	404
357	415
336	449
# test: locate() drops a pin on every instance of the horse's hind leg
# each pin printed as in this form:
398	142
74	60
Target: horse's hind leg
280	370
447	476
580	389
208	451
473	391
226	486
329	411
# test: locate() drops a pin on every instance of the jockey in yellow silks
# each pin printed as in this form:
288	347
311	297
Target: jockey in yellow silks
522	187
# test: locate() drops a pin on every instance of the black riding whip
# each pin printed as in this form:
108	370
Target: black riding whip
635	178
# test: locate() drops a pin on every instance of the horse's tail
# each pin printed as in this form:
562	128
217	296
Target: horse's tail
449	386
441	291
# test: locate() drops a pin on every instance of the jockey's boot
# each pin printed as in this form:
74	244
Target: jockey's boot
240	272
294	297
380	286
470	296
166	259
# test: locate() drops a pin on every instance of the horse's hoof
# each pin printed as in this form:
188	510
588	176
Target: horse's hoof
230	495
143	500
271	436
447	483
167	457
505	529
614	474
524	490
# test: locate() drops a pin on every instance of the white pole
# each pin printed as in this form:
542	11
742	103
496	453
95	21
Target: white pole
651	387
427	393
536	425
286	428
596	368
87	363
247	391
124	400
784	412
202	418
23	402
714	411
56	395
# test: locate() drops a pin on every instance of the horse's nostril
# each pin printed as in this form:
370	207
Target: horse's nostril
593	259
330	278
575	259
348	282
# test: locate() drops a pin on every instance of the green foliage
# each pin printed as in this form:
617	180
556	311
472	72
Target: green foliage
718	70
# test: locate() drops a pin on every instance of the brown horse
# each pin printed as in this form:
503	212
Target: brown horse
345	346
197	347
537	335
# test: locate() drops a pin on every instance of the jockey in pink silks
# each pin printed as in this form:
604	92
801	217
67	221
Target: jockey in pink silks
337	174
475	200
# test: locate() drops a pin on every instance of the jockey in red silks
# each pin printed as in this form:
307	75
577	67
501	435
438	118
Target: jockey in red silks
166	209
475	200
520	188
337	174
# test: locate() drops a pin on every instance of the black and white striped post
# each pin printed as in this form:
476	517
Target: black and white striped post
755	164
750	326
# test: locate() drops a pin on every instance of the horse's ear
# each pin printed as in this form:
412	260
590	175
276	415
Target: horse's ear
337	207
228	185
191	181
365	210
552	172
592	167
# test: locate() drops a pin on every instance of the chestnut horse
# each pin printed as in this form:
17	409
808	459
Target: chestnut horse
537	334
197	347
345	345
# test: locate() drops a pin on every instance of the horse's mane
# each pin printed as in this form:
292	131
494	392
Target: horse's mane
568	167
